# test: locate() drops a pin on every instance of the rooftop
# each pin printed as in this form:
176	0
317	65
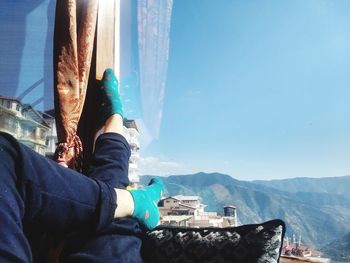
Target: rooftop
10	98
186	197
130	124
32	113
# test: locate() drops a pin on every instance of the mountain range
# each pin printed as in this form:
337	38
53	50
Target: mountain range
317	209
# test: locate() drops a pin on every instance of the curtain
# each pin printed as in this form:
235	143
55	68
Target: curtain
153	20
75	25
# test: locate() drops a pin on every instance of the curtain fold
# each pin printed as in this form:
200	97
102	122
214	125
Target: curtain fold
75	26
153	20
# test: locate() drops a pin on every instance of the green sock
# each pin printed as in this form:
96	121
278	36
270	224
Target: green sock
110	102
146	203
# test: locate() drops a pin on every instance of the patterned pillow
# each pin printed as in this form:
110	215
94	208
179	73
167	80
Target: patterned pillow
244	244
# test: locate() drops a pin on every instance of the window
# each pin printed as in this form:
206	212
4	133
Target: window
42	134
18	107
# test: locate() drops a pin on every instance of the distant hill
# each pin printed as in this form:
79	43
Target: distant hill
328	185
320	217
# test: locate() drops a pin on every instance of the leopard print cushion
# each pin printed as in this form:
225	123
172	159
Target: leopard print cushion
244	244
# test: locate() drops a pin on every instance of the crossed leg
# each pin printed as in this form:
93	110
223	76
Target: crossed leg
35	190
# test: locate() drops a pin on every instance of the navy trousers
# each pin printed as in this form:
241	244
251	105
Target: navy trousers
39	196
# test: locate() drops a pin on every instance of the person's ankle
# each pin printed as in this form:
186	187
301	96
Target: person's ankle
145	203
125	203
110	102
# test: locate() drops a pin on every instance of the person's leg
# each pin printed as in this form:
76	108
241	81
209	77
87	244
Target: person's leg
120	242
34	189
110	164
14	246
111	158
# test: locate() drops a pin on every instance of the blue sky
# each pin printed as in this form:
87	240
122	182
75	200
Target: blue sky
257	90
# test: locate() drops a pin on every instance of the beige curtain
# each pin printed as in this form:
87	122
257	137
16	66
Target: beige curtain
75	26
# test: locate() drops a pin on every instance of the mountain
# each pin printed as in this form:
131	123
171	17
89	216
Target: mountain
328	185
339	249
320	217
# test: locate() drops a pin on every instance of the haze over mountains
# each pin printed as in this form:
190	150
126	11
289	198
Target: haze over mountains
328	185
317	209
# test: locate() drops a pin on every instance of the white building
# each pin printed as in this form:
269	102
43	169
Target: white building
132	135
51	138
188	211
24	123
49	143
181	205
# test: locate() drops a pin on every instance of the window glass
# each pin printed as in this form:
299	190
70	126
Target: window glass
254	93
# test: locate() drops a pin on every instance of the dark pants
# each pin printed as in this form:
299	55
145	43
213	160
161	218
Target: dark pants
39	196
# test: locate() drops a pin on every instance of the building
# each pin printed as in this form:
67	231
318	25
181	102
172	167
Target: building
230	216
292	259
132	135
24	123
179	210
51	138
38	131
181	205
176	220
188	211
297	252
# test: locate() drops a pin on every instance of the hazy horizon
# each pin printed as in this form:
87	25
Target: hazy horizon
250	180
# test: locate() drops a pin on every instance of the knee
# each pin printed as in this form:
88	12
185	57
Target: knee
6	138
8	144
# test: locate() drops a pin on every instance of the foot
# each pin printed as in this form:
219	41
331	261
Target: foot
146	203
110	102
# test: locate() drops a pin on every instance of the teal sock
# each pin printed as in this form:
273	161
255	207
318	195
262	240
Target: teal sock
110	102
146	203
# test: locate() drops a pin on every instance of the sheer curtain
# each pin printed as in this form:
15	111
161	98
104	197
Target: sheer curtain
153	17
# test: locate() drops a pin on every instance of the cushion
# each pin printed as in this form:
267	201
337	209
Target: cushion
242	244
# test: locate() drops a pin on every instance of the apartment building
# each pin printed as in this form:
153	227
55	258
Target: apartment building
51	138
24	123
188	211
132	135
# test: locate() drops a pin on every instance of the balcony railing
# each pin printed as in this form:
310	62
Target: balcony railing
134	142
